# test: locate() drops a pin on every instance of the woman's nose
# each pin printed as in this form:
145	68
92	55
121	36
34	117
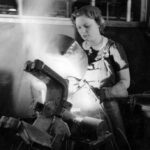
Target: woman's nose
82	30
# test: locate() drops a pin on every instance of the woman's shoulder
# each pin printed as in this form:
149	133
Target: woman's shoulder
114	46
113	43
118	54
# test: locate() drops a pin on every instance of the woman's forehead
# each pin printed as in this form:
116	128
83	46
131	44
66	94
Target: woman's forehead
84	20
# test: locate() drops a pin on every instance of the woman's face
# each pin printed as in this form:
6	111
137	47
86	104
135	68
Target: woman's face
87	28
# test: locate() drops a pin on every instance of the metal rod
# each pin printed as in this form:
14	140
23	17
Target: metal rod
143	15
128	16
93	2
20	7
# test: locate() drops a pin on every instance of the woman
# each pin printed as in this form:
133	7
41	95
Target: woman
108	69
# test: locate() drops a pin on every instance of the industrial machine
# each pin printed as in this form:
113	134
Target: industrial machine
55	124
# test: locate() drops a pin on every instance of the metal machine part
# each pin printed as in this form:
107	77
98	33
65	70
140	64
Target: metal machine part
72	57
49	119
57	88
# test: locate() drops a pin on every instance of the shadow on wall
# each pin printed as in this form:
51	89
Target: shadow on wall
6	93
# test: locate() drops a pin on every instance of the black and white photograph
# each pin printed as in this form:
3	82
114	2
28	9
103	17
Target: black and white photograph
74	75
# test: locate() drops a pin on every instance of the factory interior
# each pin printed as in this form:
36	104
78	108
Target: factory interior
36	59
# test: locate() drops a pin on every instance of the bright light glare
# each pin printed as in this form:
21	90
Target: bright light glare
74	110
38	89
59	64
79	119
84	100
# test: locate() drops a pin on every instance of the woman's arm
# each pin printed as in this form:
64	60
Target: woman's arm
121	67
120	88
122	70
124	77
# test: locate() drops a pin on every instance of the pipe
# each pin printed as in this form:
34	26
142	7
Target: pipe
128	16
93	2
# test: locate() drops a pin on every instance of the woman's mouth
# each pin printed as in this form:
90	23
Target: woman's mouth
85	36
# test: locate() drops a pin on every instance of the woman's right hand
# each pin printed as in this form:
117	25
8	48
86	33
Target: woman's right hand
116	91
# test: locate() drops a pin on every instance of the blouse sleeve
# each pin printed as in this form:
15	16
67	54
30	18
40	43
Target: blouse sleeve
119	57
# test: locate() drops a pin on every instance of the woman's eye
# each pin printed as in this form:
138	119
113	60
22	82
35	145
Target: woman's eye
86	26
79	28
83	27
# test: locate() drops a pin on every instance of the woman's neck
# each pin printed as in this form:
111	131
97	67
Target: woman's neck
96	44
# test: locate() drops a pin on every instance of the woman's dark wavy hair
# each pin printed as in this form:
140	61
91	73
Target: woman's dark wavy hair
90	12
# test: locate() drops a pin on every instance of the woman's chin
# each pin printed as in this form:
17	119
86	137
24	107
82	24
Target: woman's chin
85	38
